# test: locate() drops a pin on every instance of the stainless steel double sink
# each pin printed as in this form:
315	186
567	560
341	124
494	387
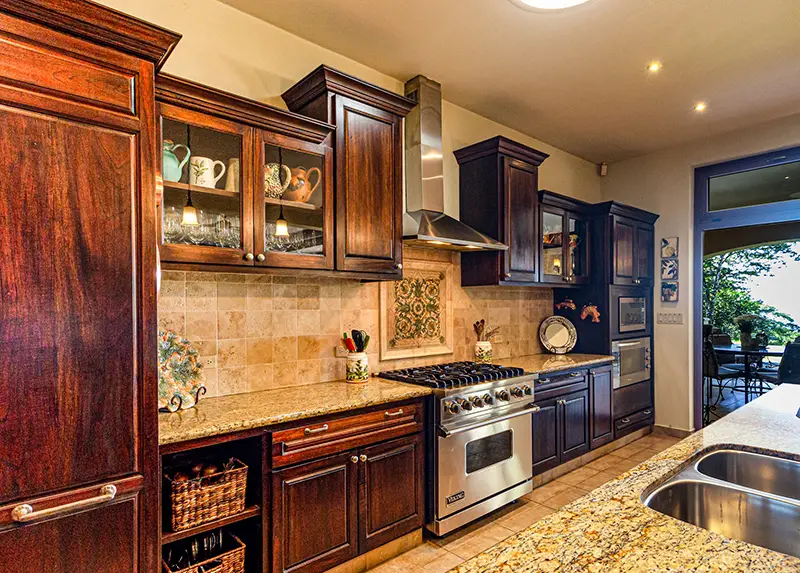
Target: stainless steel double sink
741	495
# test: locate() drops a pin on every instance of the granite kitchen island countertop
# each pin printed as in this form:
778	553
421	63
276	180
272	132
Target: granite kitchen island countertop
611	530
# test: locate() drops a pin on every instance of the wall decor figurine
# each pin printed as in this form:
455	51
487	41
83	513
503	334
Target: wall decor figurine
590	310
669	269
669	247
669	291
180	373
566	303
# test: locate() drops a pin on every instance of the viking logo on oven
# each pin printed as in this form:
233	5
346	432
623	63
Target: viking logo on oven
455	497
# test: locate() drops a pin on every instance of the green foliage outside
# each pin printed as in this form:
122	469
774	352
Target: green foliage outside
726	296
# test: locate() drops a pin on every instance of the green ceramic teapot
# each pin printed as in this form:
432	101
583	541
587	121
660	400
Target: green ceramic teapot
172	170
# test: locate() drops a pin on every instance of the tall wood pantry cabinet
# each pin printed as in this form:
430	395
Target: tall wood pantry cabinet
78	380
368	146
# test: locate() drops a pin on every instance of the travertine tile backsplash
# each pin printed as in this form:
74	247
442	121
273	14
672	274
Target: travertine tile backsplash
256	332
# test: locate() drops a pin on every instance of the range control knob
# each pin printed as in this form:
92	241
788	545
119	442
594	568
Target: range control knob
487	399
503	395
528	390
466	405
477	401
452	407
517	392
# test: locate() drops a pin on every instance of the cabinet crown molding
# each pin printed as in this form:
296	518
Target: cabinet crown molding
325	78
96	23
188	94
554	199
501	145
616	208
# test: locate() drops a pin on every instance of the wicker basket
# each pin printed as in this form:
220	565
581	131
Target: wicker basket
200	500
231	561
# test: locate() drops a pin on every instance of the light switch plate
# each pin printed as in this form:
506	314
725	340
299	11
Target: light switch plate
669	318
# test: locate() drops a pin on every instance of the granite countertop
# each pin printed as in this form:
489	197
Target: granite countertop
226	414
611	530
547	363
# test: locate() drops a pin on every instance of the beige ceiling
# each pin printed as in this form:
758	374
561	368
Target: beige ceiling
576	78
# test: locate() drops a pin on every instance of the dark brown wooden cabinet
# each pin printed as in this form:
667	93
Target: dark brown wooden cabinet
315	510
633	261
601	407
574	425
78	379
499	197
564	241
368	148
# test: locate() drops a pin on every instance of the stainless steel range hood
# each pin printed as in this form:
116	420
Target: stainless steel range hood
424	223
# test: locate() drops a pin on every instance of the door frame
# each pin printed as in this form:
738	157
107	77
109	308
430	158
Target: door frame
705	220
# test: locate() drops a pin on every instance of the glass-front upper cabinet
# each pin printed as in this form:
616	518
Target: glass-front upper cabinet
552	229
577	249
206	202
293	209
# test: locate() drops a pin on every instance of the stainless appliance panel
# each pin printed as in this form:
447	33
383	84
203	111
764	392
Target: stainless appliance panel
483	461
632	313
631	361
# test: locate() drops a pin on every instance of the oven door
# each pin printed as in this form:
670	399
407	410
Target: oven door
479	462
631	361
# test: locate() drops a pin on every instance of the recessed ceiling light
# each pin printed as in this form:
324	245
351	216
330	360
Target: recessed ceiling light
548	4
701	106
654	67
787	177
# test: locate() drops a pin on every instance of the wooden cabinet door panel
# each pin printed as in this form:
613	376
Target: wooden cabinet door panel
101	540
546	436
391	498
602	418
574	425
68	318
368	191
522	199
315	515
644	255
623	264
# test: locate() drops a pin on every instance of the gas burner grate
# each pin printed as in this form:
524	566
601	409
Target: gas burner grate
453	374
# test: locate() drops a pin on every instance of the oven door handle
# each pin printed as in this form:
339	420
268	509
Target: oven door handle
446	433
626	344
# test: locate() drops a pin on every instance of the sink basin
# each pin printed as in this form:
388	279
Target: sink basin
755	471
732	512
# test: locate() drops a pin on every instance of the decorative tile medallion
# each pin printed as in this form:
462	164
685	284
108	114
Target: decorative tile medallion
416	312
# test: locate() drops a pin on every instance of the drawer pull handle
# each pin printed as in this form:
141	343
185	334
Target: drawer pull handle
322	428
647	412
576	374
543	380
24	513
393	414
625	420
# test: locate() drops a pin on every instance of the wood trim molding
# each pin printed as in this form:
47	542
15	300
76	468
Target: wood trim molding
327	79
191	95
615	208
503	146
98	24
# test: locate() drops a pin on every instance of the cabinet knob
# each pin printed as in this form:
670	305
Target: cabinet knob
362	457
354	459
398	266
638	282
508	275
562	402
249	257
260	258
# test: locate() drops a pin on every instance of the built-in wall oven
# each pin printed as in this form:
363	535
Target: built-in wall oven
631	361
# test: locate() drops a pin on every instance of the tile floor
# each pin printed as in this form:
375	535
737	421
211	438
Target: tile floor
439	555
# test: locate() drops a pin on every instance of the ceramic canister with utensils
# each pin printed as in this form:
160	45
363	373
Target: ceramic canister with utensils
357	368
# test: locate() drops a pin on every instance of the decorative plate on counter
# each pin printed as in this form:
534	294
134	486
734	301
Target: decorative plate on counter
558	335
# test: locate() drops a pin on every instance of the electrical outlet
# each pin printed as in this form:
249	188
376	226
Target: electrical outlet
339	352
669	318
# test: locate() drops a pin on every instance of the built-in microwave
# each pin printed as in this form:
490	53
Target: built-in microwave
631	361
631	309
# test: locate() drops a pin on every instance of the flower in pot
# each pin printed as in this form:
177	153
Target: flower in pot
746	324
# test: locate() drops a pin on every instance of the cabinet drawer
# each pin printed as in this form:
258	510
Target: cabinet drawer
559	384
326	437
633	398
628	424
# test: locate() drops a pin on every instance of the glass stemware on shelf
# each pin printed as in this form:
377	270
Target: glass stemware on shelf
212	230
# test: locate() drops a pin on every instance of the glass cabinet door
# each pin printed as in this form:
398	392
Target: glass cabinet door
204	172
552	245
294	205
577	250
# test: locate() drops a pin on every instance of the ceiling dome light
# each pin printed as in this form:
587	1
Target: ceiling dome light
548	4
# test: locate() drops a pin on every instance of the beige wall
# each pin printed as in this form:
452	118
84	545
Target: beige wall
230	50
663	183
256	332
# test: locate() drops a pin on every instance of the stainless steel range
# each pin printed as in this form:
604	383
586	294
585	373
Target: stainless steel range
482	454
